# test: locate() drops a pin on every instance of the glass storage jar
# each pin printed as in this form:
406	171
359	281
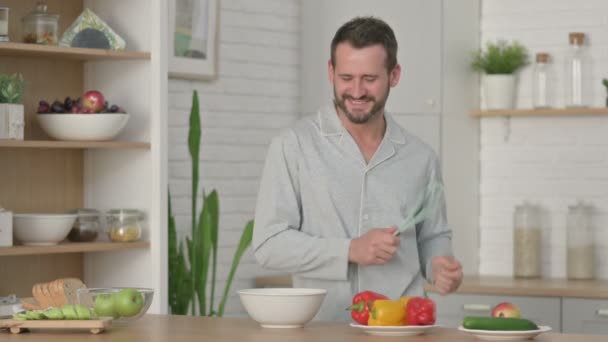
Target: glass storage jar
86	227
4	24
40	27
580	249
527	235
124	225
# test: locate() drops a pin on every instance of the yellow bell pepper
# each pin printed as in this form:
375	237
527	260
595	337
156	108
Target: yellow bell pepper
387	312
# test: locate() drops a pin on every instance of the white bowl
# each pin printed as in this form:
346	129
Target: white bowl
282	307
42	229
86	127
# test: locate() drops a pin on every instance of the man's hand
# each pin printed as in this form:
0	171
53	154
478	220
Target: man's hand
447	274
376	247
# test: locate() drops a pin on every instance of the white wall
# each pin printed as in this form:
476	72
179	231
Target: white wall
255	96
552	161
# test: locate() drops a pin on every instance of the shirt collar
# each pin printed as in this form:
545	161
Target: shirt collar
330	125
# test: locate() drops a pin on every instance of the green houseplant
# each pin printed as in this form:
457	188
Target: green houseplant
11	109
499	62
188	281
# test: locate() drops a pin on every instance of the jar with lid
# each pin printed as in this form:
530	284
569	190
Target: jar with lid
580	249
40	27
4	24
527	235
541	80
86	227
578	72
124	225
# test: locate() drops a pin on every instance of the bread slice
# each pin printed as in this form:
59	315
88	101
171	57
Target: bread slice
58	292
40	297
30	303
69	288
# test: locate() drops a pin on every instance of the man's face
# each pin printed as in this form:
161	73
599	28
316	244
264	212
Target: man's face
361	82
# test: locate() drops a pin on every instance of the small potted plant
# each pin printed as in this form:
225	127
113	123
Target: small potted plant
11	109
499	63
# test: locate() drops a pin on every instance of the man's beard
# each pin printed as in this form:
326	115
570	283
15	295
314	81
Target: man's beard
376	108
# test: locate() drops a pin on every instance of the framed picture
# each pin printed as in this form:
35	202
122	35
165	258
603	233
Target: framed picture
193	39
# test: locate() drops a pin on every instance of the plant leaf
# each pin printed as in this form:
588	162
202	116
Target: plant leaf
194	141
214	216
204	246
243	245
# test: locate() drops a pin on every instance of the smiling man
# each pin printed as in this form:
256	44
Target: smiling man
335	186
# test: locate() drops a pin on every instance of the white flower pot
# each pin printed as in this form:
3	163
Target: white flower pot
499	91
11	121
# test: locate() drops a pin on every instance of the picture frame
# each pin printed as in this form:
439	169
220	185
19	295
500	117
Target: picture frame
193	39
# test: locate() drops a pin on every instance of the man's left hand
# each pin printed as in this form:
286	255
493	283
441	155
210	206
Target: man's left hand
447	274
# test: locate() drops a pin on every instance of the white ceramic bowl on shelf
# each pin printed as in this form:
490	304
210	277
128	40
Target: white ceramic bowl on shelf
282	307
83	127
42	229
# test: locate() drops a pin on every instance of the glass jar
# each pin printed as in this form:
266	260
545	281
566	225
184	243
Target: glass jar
86	227
580	249
4	24
527	235
124	225
578	68
40	27
541	81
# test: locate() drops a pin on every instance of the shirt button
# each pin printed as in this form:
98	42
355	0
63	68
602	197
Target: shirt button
365	216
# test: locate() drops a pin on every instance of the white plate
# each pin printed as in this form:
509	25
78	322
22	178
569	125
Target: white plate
405	330
502	335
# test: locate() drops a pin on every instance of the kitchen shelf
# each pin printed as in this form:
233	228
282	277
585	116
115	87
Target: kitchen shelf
75	144
53	51
541	112
73	247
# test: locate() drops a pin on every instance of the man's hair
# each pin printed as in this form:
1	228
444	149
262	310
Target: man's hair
362	32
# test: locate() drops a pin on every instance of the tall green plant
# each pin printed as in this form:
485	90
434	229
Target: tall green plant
11	88
188	283
500	58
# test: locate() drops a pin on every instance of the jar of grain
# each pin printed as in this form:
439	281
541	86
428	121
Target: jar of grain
527	246
580	249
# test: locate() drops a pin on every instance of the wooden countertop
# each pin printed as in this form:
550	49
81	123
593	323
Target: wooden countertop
533	287
162	328
543	287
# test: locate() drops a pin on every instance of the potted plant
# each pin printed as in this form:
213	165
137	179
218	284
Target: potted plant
11	109
499	63
605	83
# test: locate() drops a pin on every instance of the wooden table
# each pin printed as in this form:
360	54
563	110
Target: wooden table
184	328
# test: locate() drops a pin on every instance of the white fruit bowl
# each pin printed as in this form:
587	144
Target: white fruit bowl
107	302
83	127
282	307
42	229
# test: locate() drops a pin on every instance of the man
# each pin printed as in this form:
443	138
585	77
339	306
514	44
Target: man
336	185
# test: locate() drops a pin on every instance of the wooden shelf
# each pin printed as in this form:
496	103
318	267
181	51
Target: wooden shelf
541	112
53	51
75	144
73	247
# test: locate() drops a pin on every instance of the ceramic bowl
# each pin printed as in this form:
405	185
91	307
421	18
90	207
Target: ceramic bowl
83	127
42	229
282	307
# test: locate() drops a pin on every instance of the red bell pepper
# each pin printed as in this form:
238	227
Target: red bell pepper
362	302
420	311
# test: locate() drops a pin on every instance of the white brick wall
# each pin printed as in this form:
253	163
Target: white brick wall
551	161
255	96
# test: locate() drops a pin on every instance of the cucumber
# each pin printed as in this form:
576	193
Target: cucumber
498	323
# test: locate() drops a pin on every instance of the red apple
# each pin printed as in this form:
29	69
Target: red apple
93	100
506	309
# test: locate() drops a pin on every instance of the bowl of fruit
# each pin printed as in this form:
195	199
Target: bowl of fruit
87	118
122	304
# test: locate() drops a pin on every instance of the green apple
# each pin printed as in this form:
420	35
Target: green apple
104	305
69	312
34	315
53	313
128	302
82	312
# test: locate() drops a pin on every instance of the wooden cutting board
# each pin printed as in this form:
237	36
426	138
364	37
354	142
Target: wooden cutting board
94	326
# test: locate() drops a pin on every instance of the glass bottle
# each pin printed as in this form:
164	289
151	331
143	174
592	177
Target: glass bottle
4	24
577	72
580	251
527	234
540	81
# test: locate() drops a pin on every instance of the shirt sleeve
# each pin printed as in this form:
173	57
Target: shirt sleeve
434	234
278	242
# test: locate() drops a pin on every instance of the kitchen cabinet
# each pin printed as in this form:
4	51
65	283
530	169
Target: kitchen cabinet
585	316
453	308
43	175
